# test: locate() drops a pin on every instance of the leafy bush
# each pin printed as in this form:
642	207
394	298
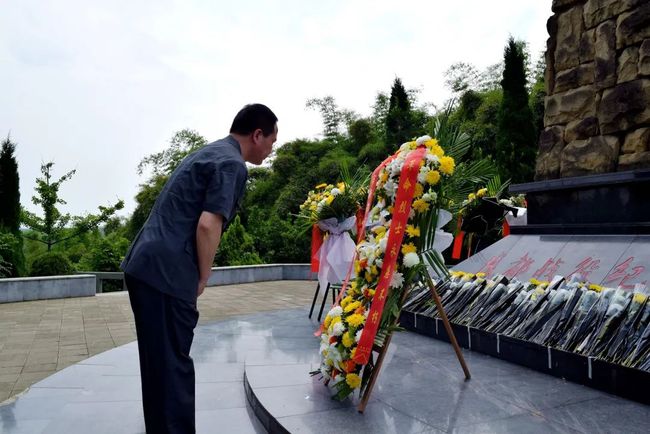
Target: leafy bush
51	264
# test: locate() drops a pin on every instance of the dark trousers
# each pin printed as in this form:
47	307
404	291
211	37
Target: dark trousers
165	329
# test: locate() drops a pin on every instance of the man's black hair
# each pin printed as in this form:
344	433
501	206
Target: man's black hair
252	117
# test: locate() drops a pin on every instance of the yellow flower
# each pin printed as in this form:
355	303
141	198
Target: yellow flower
353	380
371	293
596	288
432	177
409	248
639	298
482	192
447	165
380	231
412	231
347	340
384	176
419	190
355	320
329	199
480	274
431	143
328	320
373	270
323	185
437	151
471	196
352	306
346	300
341	186
412	145
420	205
353	352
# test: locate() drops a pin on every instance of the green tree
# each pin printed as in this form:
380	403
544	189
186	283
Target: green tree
237	246
53	227
516	141
334	118
399	120
9	188
10	209
145	199
8	244
164	162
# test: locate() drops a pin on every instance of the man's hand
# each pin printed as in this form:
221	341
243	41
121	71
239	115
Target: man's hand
201	288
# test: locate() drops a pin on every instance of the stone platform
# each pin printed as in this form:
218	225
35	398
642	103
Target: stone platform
252	375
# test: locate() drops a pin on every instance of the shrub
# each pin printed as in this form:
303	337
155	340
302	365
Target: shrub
51	264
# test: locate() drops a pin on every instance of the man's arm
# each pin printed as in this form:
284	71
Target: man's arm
208	236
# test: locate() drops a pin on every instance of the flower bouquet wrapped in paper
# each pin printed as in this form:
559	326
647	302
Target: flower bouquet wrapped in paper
333	209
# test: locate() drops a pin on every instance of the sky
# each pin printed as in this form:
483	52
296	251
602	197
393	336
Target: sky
96	86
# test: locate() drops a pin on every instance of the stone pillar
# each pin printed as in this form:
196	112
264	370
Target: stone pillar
597	112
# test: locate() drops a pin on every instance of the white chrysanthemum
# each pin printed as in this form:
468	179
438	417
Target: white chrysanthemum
432	158
324	370
422	175
335	192
390	188
405	147
379	263
323	349
338	329
429	197
383	242
397	280
411	259
336	311
357	337
421	140
411	213
334	353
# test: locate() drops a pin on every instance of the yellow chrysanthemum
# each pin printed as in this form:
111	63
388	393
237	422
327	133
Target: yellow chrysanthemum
323	185
384	176
329	199
447	165
412	145
355	320
328	321
347	340
409	248
346	300
353	352
596	288
341	186
431	143
420	205
432	177
471	197
482	192
371	293
437	151
353	380
639	298
412	231
379	231
352	306
419	190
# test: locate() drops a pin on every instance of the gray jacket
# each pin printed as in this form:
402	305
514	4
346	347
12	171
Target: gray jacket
163	254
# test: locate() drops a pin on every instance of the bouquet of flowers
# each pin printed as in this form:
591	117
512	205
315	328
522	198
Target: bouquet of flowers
402	236
332	211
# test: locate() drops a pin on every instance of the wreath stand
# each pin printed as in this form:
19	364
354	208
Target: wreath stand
381	351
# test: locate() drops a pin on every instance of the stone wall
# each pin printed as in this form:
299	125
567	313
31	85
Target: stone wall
597	112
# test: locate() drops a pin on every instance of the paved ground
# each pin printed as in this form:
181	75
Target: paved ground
38	338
